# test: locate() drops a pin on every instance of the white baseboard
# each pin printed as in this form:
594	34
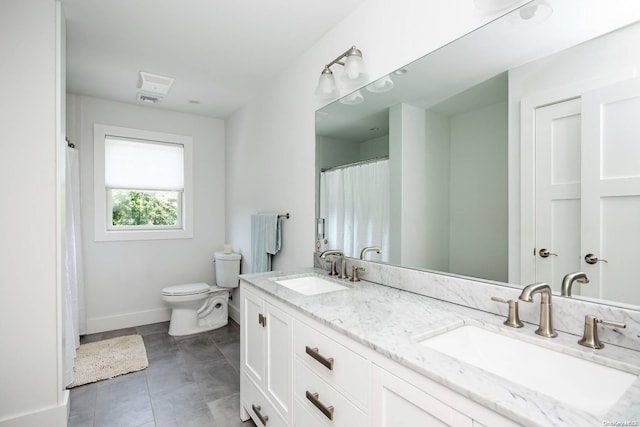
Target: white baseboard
234	313
56	416
127	320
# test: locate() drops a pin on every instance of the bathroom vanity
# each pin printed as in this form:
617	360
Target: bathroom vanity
361	355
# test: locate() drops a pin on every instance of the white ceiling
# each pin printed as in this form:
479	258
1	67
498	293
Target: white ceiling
219	51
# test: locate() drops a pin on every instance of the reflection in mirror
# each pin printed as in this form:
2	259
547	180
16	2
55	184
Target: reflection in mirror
515	141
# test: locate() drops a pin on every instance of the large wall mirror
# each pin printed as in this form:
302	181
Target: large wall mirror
510	155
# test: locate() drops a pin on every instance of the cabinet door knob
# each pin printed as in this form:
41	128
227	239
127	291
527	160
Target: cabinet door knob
314	398
263	418
327	362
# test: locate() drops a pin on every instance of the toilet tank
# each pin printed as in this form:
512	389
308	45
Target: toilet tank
227	269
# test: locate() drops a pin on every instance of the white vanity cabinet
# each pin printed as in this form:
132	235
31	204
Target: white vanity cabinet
404	398
265	359
298	372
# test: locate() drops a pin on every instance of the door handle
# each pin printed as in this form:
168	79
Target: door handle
592	259
544	253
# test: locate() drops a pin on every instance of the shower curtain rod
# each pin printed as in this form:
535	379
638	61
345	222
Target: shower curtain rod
287	216
361	162
69	143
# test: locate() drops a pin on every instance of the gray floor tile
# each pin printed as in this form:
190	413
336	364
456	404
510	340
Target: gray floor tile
231	353
153	328
226	334
184	374
183	404
225	412
217	381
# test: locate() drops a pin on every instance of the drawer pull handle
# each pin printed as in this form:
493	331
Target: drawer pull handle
263	418
326	410
326	361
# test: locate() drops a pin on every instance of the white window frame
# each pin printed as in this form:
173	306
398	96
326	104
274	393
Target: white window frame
103	229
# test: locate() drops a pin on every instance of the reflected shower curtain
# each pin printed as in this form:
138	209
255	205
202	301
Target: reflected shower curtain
354	201
74	314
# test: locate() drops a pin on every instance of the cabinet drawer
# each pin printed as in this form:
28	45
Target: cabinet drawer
342	368
303	418
258	406
307	386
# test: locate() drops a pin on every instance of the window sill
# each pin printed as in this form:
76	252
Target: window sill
127	235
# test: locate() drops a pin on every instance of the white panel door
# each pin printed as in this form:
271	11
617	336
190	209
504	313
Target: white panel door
279	359
611	191
253	338
557	187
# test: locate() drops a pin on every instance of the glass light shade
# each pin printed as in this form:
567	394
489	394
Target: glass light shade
536	11
354	98
327	87
384	84
354	70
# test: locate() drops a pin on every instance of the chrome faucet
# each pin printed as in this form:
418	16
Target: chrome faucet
546	319
568	280
343	264
369	249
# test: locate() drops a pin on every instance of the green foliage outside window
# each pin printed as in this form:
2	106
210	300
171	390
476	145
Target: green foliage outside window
131	208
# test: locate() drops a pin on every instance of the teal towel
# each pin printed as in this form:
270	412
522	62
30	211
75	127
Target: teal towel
266	240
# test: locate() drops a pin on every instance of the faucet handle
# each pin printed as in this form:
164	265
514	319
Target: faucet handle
513	318
332	268
590	334
354	273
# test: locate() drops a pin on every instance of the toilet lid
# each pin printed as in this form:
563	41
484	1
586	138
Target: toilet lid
186	289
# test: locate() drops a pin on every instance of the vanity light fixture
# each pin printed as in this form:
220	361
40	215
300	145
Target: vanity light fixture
354	72
536	11
354	98
384	84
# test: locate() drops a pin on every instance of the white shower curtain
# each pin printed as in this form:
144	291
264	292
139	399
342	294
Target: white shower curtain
74	310
354	201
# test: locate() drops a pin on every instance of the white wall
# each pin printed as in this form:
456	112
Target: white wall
335	152
271	142
419	168
30	321
376	147
124	279
478	245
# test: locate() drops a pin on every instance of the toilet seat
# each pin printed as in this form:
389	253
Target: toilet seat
186	289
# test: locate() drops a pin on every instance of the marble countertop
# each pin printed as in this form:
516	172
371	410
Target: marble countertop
392	321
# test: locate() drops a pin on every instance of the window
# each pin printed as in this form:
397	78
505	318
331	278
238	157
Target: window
142	184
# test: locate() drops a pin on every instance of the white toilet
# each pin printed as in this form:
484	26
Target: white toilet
198	307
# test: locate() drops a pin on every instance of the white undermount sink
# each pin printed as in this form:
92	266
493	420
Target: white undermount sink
310	285
586	385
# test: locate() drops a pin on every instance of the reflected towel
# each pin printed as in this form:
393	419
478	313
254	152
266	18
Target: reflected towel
266	240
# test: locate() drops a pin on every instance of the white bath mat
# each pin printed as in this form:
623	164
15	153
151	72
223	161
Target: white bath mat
106	359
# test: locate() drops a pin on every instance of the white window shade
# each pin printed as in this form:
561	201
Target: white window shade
142	165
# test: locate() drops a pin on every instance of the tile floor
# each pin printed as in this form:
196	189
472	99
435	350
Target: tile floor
191	381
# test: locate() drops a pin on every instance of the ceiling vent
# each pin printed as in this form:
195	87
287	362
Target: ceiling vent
154	84
148	99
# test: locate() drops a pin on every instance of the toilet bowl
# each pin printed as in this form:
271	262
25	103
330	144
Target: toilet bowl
198	307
